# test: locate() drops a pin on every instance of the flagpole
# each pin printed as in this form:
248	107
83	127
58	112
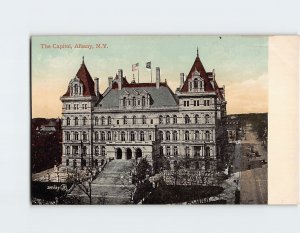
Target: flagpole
151	74
138	74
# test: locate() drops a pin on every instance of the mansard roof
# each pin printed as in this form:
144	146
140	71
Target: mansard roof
197	66
161	97
88	83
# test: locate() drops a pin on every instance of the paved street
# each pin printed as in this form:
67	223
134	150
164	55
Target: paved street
252	172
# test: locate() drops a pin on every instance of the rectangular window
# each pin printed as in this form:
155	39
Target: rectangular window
184	103
198	103
187	103
195	102
168	151
175	150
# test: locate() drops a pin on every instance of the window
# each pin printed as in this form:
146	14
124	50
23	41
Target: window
67	162
168	150
196	119
196	83
76	136
206	103
96	136
124	102
186	119
84	136
167	119
139	102
186	135
207	135
150	136
143	101
83	151
103	150
142	135
76	89
187	151
117	122
134	120
187	103
133	101
174	119
96	150
184	103
109	136
76	120
102	136
109	120
123	136
68	136
96	121
160	119
68	121
168	137
198	103
67	150
132	136
161	135
151	121
144	119
125	120
84	121
175	150
75	150
197	135
206	119
102	120
174	135
161	150
195	102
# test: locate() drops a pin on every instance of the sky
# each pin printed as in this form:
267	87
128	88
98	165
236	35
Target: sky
240	63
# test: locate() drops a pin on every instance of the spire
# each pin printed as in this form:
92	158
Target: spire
82	59
197	52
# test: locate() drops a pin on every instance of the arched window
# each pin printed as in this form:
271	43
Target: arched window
96	136
68	136
175	150
68	121
109	136
102	120
143	101
68	150
168	149
168	136
76	89
161	135
76	120
103	150
206	119
125	120
144	119
132	136
75	150
67	162
207	135
174	119
187	135
134	120
196	119
76	137
96	150
133	101
186	119
123	136
84	136
102	136
167	119
174	135
142	136
197	135
109	120
84	121
196	83
96	121
187	151
160	119
83	151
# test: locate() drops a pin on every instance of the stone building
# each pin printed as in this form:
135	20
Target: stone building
134	120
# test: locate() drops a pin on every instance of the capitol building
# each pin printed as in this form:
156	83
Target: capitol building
144	120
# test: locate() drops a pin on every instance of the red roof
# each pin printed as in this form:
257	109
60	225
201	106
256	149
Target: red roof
88	83
199	67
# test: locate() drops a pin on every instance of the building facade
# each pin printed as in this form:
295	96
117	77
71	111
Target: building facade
143	120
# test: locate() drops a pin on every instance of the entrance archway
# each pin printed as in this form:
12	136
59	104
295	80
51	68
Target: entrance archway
119	154
128	153
138	153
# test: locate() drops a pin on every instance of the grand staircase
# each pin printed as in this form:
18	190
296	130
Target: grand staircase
112	186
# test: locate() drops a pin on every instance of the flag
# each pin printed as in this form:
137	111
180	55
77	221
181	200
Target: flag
148	65
135	66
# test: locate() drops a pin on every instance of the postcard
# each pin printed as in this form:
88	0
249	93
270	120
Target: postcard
161	120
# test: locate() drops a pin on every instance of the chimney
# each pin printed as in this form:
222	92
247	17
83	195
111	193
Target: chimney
157	77
181	79
213	74
96	86
110	80
120	76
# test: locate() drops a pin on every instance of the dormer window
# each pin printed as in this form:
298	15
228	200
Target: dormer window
76	87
